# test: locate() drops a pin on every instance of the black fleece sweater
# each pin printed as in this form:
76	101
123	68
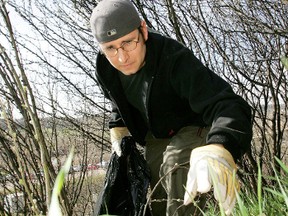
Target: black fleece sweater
181	91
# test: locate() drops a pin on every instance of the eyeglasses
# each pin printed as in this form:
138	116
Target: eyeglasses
127	46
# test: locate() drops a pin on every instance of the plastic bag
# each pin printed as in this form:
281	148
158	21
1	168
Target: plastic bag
126	183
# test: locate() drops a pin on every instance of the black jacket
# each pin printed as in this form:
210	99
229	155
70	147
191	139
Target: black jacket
181	92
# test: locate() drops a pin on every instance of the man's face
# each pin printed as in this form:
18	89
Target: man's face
127	62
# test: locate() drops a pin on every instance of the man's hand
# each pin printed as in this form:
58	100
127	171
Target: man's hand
212	165
116	135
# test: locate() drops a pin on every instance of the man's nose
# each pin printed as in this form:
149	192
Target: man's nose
122	55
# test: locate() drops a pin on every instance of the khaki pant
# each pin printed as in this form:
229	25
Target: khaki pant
162	155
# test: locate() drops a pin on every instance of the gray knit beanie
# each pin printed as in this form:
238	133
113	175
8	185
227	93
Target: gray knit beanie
112	19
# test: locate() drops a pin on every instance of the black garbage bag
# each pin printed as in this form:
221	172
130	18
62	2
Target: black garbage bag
126	183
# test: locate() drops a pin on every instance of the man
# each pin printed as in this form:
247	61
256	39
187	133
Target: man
164	97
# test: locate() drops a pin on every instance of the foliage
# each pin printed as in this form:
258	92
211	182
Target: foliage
284	61
270	200
54	208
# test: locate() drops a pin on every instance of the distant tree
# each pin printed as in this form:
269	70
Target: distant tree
37	76
19	141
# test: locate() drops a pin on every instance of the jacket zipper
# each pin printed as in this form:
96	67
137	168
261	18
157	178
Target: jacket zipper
148	102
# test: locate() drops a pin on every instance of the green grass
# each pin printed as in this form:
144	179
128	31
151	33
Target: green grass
267	201
55	208
272	200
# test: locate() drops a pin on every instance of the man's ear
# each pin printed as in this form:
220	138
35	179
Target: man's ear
144	30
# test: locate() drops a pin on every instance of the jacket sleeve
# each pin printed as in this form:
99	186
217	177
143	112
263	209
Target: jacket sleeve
213	98
115	118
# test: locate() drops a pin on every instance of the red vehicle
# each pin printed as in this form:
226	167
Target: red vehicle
92	167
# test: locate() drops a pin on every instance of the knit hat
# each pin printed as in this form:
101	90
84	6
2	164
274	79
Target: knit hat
112	19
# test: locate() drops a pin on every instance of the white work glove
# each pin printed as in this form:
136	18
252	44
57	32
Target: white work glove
116	135
212	165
